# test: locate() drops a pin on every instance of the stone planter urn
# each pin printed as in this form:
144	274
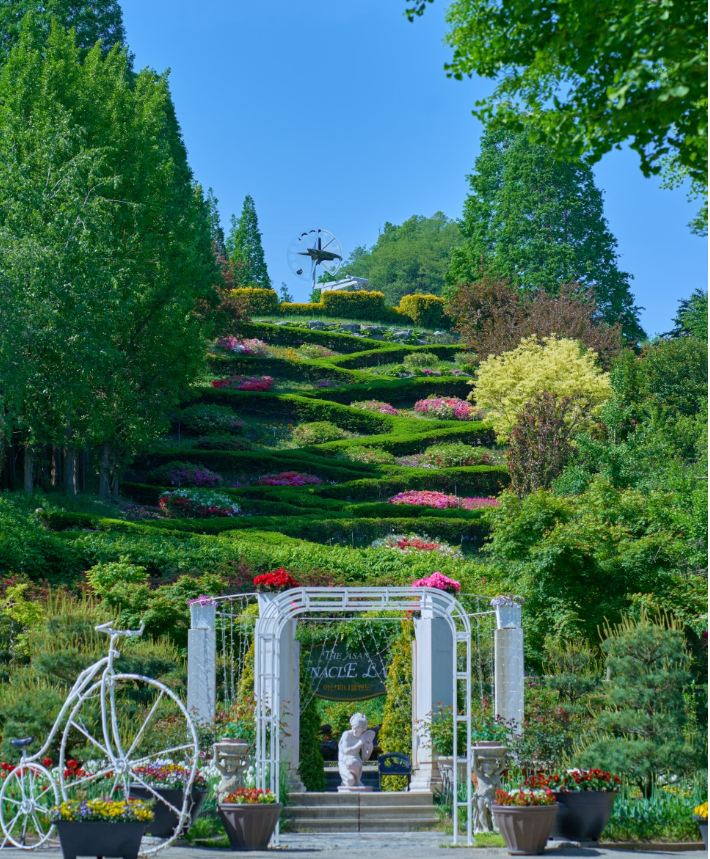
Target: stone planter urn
100	838
165	820
583	814
525	829
250	825
231	758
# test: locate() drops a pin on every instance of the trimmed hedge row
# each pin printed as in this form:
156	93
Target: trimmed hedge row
292	335
257	300
280	368
390	354
429	311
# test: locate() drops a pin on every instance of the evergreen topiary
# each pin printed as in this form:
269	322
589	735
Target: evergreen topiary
396	732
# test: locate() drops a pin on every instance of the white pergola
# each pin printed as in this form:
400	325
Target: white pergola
442	676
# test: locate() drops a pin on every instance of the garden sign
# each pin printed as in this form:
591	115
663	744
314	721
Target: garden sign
339	674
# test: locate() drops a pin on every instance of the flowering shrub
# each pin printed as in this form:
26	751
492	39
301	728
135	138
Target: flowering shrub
245	383
249	796
574	780
108	810
524	798
408	543
375	406
274	582
440	582
452	455
209	419
194	504
288	478
448	409
184	474
440	500
240	346
372	455
170	776
318	432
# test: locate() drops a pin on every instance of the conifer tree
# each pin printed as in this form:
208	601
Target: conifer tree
540	223
396	732
246	254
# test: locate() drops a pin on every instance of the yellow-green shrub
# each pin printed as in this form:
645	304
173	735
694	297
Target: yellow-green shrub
310	308
424	310
258	301
396	732
505	383
354	305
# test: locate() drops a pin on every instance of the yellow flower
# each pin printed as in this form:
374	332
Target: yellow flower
702	810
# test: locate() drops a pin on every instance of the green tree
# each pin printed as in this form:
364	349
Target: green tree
92	20
540	223
246	254
407	258
641	733
107	250
596	73
691	320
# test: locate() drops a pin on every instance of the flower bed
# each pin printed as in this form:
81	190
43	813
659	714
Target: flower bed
447	409
409	543
184	474
239	346
246	383
440	500
97	810
574	780
193	504
375	406
249	796
207	418
171	776
371	455
454	455
288	478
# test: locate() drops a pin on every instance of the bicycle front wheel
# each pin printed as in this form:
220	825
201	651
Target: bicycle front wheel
26	799
120	728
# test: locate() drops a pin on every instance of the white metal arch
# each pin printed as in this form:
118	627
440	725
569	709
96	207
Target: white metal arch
289	605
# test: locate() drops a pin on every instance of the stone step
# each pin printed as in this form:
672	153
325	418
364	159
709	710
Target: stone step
372	812
306	824
341	812
399	798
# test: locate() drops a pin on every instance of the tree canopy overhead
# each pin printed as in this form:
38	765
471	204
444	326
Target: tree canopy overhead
596	73
94	21
540	223
407	258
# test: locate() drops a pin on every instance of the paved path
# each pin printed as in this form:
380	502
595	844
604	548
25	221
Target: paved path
410	845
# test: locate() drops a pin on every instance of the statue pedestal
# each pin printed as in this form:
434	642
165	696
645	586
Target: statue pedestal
357	789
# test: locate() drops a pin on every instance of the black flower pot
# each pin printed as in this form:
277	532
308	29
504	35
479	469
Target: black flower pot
165	820
703	824
583	814
250	825
100	838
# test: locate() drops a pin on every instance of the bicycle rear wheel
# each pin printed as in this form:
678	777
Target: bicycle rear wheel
27	796
120	724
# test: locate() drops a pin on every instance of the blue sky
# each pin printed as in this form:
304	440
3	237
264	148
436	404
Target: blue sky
338	114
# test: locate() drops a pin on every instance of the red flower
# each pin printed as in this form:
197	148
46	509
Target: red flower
47	762
279	580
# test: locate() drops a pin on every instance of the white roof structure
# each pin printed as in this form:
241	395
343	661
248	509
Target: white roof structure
347	284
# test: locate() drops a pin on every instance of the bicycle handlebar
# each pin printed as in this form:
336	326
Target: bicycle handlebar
128	633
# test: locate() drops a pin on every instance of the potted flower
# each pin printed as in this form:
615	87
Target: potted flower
165	785
508	610
203	611
440	582
268	585
586	799
700	813
525	819
250	816
101	827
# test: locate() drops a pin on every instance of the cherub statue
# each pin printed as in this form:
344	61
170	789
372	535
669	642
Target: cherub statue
354	748
488	764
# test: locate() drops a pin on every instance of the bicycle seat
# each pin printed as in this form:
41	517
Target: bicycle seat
23	743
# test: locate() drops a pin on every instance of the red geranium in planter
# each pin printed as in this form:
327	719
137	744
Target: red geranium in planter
274	582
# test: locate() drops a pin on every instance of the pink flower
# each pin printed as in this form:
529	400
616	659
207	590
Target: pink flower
440	500
440	581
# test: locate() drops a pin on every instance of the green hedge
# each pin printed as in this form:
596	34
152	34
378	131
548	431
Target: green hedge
280	368
362	304
258	300
292	335
425	310
398	392
310	308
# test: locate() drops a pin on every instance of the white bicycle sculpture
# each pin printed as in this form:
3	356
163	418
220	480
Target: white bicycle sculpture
101	711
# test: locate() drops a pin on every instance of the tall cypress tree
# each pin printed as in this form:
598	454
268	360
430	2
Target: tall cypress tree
540	223
246	254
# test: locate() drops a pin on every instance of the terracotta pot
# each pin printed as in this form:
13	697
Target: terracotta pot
165	820
250	825
100	838
583	814
525	829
